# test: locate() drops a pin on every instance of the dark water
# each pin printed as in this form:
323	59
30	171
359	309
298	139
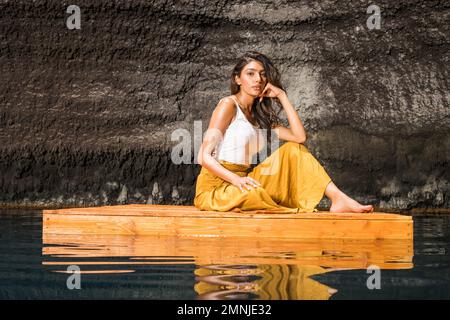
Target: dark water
34	266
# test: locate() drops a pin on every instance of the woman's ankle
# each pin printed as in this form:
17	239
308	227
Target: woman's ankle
333	193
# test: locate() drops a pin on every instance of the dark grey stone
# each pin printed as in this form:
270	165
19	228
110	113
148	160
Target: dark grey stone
84	110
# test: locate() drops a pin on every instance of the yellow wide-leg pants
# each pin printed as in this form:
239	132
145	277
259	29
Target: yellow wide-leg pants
292	181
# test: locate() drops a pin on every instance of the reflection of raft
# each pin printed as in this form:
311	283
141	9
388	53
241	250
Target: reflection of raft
188	221
229	268
148	250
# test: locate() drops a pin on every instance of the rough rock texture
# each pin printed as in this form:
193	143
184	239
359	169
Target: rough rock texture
87	115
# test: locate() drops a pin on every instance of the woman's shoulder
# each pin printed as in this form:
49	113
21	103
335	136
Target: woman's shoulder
227	103
226	109
228	100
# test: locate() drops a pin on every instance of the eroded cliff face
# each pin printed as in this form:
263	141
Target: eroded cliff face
87	115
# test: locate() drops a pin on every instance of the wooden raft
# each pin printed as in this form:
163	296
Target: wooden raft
188	221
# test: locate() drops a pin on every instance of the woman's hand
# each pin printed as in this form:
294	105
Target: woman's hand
270	91
245	183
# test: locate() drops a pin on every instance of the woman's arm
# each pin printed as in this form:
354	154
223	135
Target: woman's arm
296	132
220	120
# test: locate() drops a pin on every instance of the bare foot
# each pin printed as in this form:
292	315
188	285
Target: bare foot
347	204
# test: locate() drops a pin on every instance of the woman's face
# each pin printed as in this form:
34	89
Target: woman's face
252	78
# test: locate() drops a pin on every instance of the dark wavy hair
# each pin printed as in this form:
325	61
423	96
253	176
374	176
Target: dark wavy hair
263	112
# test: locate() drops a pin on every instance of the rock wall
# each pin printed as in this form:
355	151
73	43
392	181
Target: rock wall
87	115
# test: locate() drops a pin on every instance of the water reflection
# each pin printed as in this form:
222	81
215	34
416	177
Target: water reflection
268	282
229	268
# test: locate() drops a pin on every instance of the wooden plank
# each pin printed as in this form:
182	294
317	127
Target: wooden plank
167	222
191	211
143	250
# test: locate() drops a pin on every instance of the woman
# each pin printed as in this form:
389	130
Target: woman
289	180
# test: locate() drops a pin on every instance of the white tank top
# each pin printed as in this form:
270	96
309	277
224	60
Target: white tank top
241	141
